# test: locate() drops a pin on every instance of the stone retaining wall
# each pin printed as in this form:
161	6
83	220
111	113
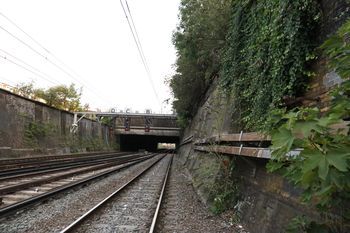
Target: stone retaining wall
31	127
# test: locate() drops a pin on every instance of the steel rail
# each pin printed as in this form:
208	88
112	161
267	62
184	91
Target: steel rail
29	164
28	184
36	171
33	159
155	217
9	209
65	164
76	223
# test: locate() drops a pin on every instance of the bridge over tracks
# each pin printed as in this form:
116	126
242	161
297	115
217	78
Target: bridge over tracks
135	131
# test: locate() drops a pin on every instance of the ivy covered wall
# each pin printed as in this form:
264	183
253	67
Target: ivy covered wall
271	59
269	46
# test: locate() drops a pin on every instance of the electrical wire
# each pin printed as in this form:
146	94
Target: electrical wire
139	48
39	44
32	67
45	57
25	68
137	35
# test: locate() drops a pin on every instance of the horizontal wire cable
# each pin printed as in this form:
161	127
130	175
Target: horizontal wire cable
32	67
25	68
45	57
140	52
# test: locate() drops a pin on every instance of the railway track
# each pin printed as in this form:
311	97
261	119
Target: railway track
134	206
21	172
4	162
27	188
16	167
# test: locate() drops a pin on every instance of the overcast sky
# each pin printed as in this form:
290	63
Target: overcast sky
93	40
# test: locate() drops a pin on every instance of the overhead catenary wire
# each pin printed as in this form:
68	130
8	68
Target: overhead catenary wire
137	36
31	71
45	57
30	66
40	54
139	47
38	43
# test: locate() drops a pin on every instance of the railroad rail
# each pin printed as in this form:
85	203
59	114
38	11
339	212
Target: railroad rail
51	157
48	167
148	184
6	166
20	192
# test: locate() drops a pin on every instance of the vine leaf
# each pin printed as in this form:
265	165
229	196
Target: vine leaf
305	128
313	159
338	158
282	142
307	178
323	168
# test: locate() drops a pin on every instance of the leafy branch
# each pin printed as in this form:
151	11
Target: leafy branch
322	166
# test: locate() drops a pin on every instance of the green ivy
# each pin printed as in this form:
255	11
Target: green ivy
269	45
301	224
225	191
337	47
36	132
322	168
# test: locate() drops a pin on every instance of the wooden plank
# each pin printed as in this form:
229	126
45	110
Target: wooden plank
186	140
256	152
248	137
234	150
244	137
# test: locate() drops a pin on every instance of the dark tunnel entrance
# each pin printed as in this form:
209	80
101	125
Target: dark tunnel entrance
144	142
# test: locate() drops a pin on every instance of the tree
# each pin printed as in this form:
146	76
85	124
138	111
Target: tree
25	89
198	40
62	97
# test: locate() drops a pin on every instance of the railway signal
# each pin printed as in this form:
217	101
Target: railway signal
148	123
127	124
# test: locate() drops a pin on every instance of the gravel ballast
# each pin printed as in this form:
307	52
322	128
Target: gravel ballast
181	211
56	213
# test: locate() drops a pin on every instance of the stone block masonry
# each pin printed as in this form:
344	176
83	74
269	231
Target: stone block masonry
30	127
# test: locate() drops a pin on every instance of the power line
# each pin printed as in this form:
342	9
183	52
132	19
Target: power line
34	50
137	35
32	67
45	57
139	47
18	27
25	68
40	54
37	42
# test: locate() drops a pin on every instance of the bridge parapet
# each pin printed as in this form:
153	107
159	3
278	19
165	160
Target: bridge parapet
147	124
163	125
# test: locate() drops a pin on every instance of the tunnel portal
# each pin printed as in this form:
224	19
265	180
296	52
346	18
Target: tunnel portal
144	131
144	142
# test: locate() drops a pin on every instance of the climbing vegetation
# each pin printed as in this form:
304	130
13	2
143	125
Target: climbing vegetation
269	46
36	132
225	191
322	167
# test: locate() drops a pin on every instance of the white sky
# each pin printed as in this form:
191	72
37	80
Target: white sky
93	38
